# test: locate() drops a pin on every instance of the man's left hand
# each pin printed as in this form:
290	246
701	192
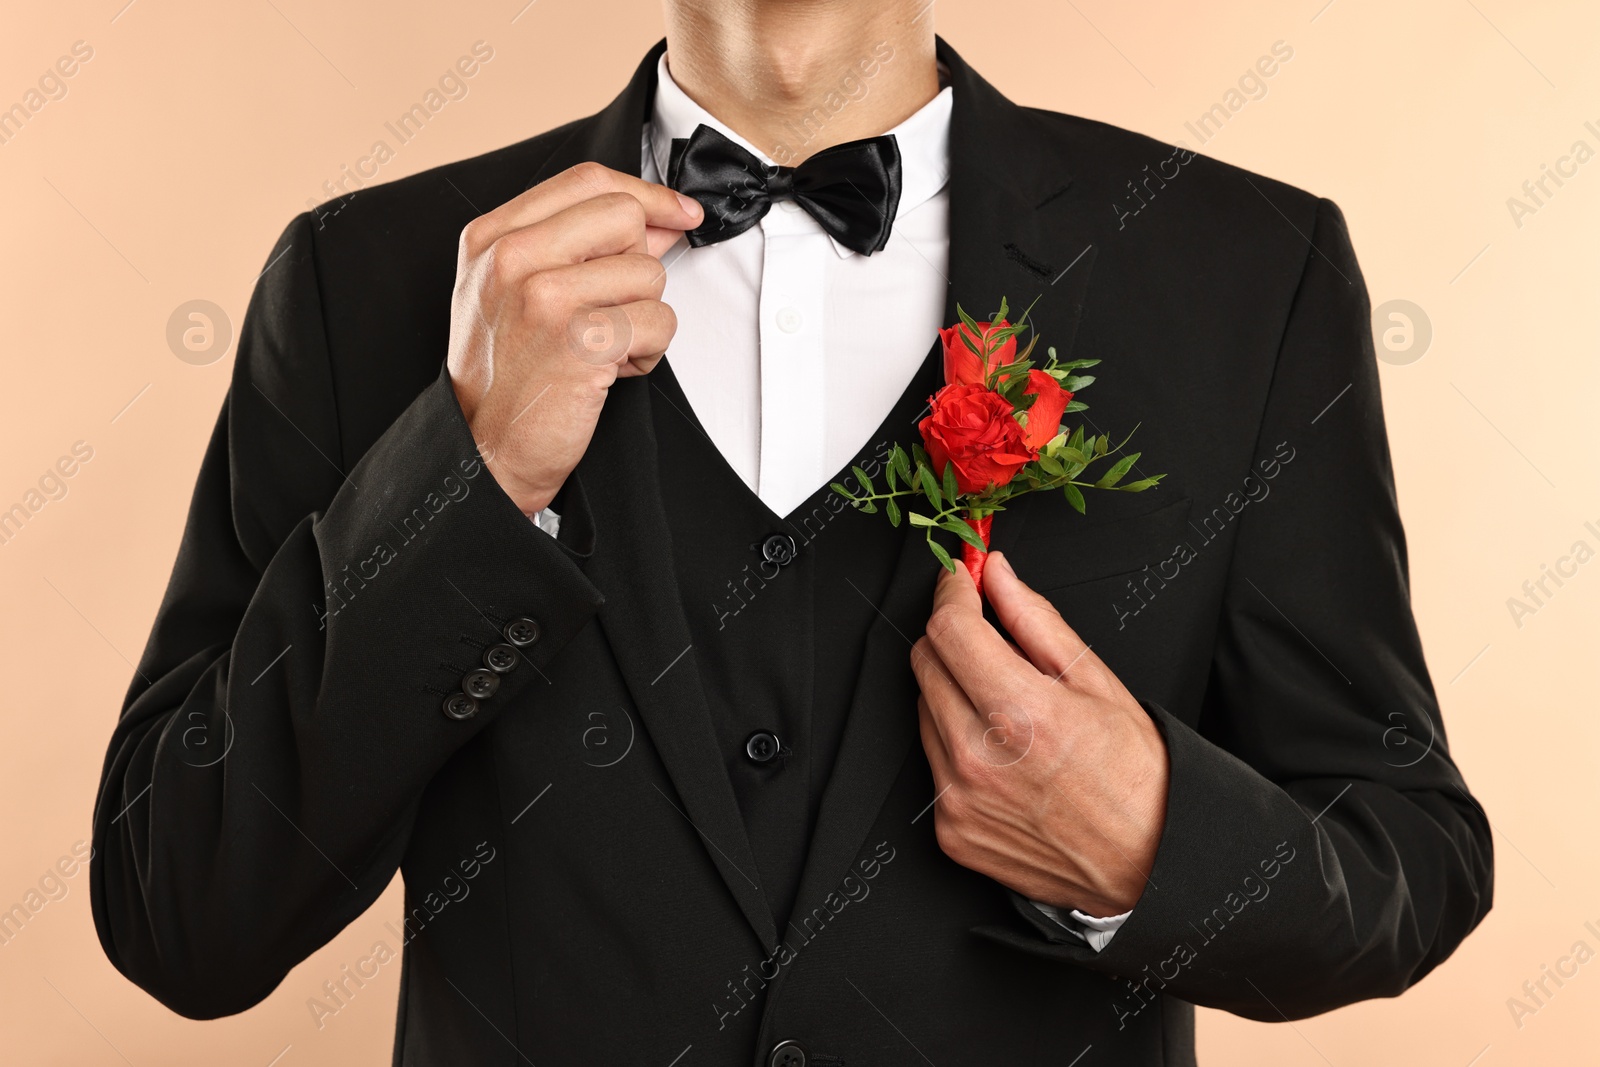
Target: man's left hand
1051	778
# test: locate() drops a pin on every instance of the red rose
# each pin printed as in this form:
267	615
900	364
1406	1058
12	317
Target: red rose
961	365
1044	417
974	429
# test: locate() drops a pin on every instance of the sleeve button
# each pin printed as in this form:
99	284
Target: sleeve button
502	659
522	632
459	706
480	684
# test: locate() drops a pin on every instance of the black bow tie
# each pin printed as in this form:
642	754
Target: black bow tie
852	189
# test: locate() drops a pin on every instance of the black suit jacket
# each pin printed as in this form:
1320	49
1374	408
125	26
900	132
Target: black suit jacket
347	558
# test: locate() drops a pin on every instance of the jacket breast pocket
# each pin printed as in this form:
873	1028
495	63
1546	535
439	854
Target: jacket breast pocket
1121	533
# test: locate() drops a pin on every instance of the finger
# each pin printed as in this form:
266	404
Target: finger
607	225
606	282
663	207
933	744
1044	636
972	650
952	711
606	336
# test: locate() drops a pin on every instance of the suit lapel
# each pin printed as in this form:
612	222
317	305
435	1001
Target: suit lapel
1015	231
631	564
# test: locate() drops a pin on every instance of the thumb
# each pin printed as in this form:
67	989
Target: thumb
1033	622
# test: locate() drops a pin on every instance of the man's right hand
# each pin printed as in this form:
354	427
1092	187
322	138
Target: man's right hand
558	293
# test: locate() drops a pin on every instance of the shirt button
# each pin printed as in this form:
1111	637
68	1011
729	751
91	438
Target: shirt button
522	632
480	684
779	549
762	747
459	706
790	320
787	1054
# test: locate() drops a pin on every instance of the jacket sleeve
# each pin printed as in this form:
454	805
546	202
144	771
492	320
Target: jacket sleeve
260	786
1320	845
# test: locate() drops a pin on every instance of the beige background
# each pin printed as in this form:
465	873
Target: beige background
196	130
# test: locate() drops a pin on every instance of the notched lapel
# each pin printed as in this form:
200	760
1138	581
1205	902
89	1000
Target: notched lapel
1016	231
631	563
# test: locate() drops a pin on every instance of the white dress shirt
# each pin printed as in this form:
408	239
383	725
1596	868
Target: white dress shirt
791	348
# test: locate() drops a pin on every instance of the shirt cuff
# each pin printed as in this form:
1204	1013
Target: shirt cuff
1093	929
548	521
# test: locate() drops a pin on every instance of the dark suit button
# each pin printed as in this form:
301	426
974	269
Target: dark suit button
779	549
460	706
762	747
522	632
502	659
787	1054
480	684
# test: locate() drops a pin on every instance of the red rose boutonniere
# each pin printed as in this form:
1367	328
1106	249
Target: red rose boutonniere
993	433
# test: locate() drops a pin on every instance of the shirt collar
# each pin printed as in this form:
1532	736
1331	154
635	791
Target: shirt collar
924	140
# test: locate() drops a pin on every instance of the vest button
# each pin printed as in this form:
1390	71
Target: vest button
779	549
787	1054
762	747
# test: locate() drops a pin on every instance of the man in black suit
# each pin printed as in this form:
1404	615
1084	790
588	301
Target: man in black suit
478	587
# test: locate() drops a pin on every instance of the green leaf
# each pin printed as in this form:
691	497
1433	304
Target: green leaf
861	476
1141	485
930	487
951	490
966	320
1102	445
942	556
1074	497
919	519
1118	469
1004	310
965	532
894	511
1052	465
842	491
868	506
1076	441
1075	382
1076	406
1077	364
1074	456
898	460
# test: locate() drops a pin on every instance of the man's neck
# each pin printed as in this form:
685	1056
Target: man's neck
799	76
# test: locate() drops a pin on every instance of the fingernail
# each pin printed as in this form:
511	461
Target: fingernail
998	559
691	206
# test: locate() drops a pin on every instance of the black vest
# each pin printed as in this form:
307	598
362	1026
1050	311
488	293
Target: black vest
778	610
